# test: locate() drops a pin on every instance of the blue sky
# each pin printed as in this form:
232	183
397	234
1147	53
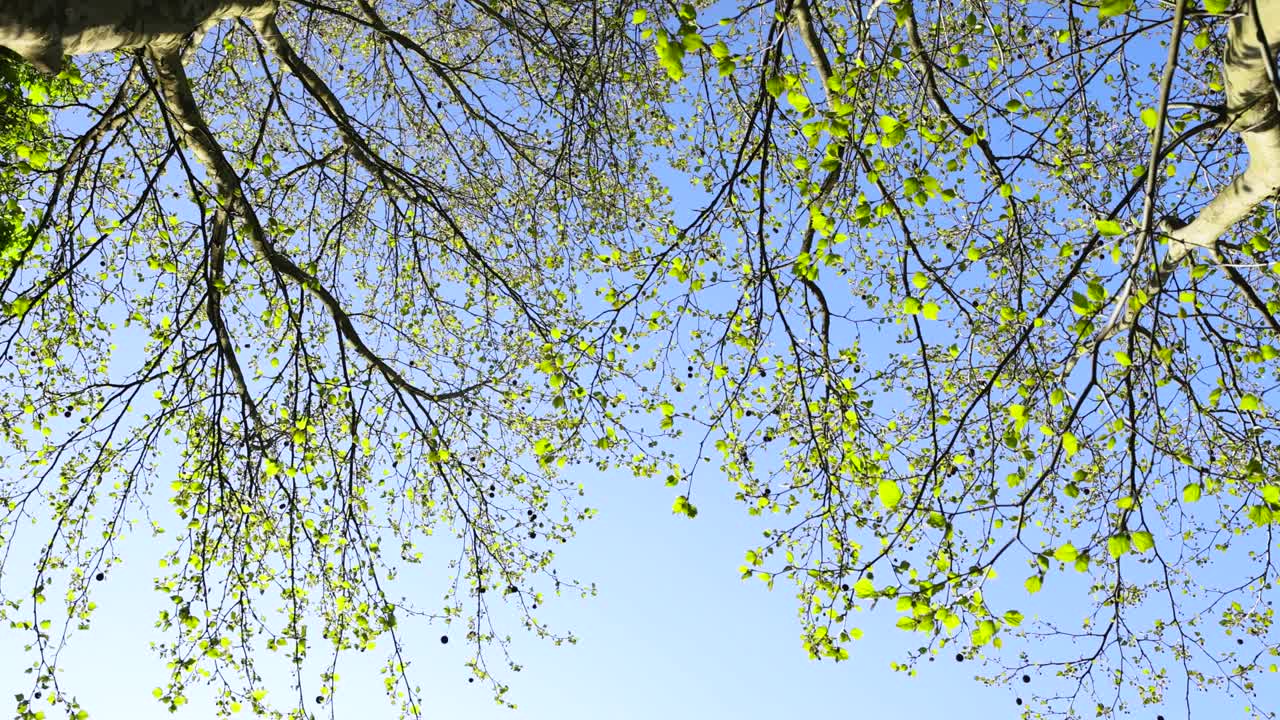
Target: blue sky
673	633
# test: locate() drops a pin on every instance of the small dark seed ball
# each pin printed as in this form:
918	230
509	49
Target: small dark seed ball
101	576
471	679
38	694
319	698
444	639
533	534
1159	717
1026	678
844	587
1239	641
1019	701
959	657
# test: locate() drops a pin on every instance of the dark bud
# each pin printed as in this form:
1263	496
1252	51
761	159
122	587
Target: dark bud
959	657
319	699
1026	678
100	577
444	639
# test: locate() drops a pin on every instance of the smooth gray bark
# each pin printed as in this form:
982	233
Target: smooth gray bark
43	31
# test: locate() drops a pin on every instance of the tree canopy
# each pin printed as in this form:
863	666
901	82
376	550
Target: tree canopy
975	301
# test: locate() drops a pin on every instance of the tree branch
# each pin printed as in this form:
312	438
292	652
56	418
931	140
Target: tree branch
179	101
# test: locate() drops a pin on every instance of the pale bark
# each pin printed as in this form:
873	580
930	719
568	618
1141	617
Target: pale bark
43	31
1252	111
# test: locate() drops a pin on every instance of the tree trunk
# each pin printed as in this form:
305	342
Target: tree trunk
1253	110
43	31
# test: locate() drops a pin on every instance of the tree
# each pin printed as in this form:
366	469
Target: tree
1004	322
978	300
328	256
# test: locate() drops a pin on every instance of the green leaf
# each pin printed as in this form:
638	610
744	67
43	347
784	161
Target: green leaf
1271	493
930	311
639	16
682	506
1191	493
19	306
1070	443
1122	357
1066	553
984	632
864	588
1142	541
1108	227
1250	403
1260	515
1216	6
1118	545
1111	8
889	492
799	100
1150	118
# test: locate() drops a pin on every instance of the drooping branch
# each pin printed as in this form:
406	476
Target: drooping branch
809	35
42	31
175	89
394	179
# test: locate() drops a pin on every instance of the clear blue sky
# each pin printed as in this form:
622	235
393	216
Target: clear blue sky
673	634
